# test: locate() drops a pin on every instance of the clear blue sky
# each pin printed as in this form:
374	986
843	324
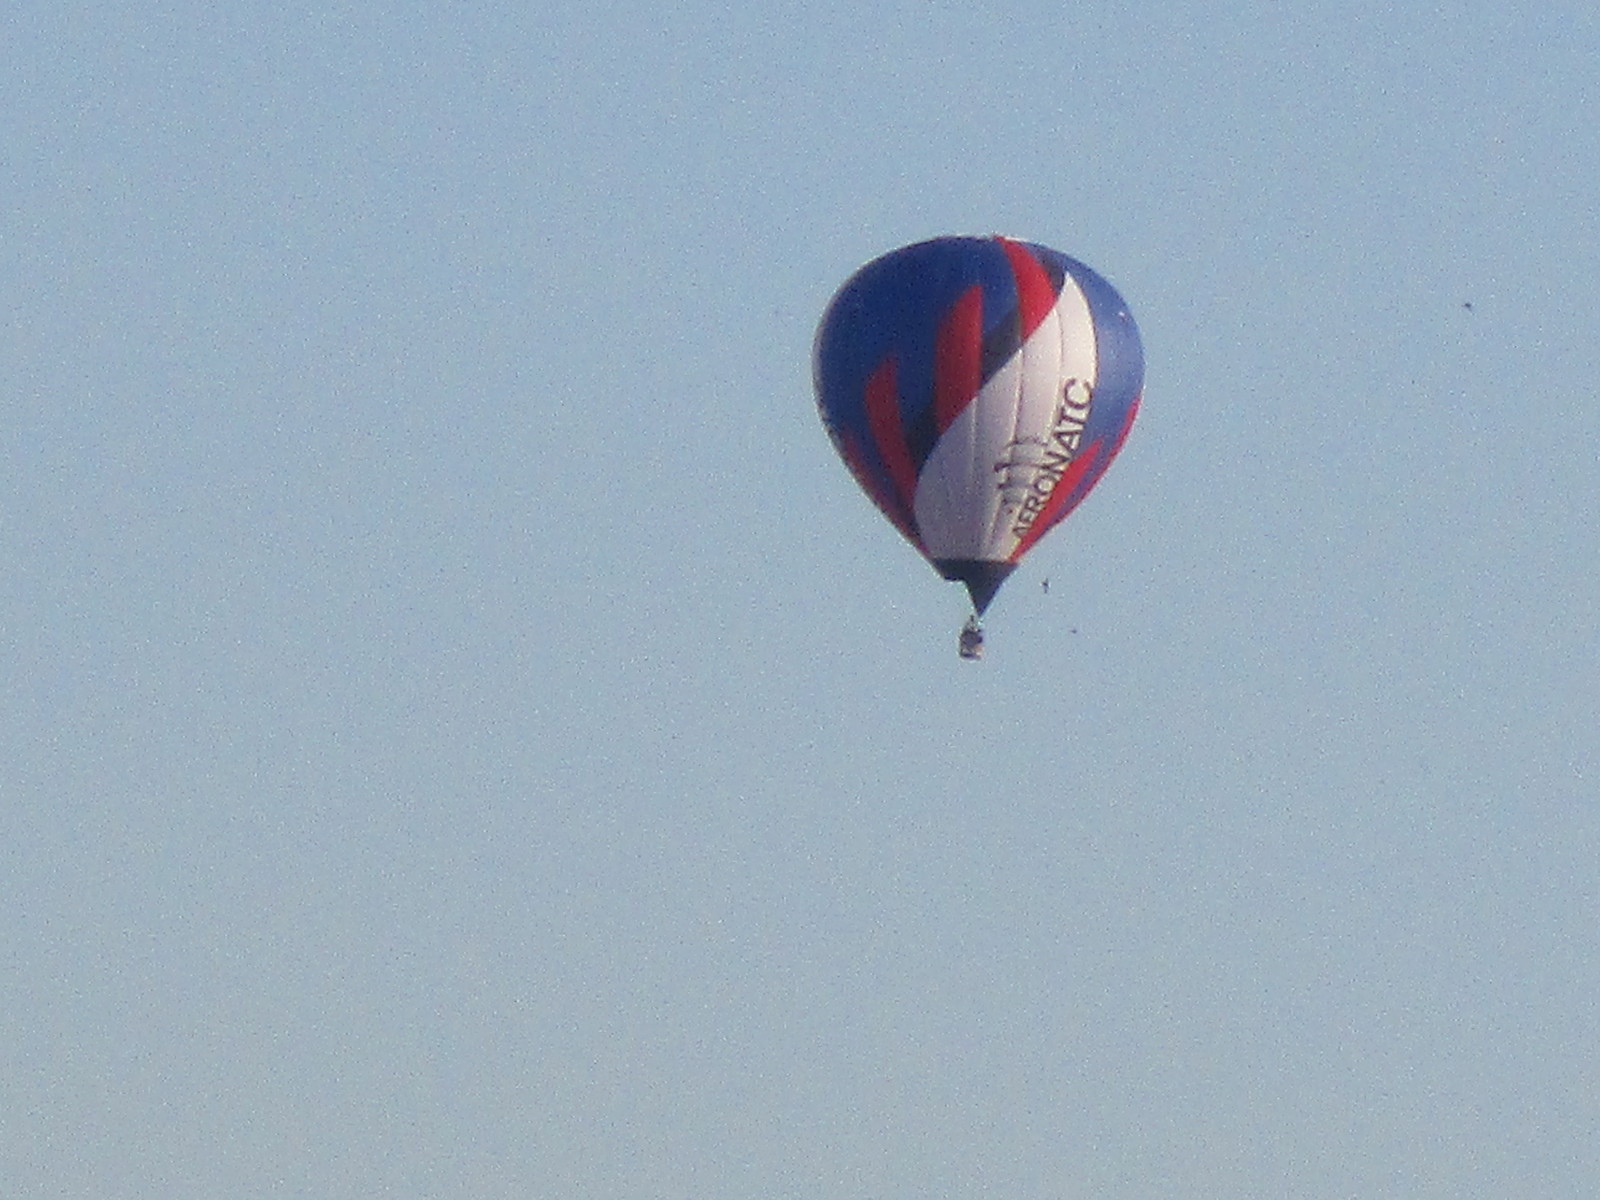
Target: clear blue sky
462	733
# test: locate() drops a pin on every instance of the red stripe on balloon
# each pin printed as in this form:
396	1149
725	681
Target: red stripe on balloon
889	434
872	484
958	358
1036	295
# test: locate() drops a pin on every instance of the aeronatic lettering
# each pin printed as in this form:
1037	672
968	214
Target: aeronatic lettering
1055	454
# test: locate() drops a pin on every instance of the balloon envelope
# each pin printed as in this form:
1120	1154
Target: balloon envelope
977	388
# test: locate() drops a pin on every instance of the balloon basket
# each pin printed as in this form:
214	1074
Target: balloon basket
970	645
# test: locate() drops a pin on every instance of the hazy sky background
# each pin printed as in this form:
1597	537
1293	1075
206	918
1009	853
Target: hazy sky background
463	734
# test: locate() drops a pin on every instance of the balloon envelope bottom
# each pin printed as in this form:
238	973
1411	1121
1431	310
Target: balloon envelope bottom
983	579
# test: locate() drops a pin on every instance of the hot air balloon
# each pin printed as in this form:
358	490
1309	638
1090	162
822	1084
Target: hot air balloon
977	388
